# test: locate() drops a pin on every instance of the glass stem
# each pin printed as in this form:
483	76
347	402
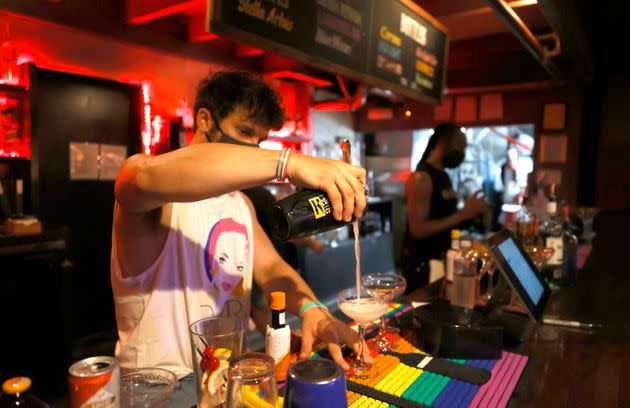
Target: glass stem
361	340
383	326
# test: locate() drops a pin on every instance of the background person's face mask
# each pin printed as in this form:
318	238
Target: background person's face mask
453	158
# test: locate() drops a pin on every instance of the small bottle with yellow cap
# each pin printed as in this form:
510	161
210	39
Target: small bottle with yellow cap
278	336
16	392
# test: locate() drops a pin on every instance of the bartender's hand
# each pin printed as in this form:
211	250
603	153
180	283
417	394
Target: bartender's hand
320	327
475	204
343	183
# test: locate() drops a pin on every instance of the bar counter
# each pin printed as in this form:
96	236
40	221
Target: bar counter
567	367
578	368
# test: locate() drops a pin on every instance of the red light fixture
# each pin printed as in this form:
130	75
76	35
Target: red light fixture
288	74
146	111
346	103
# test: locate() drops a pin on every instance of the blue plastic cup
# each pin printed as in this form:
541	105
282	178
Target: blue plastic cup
315	383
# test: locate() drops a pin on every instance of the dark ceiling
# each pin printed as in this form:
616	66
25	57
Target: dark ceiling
483	52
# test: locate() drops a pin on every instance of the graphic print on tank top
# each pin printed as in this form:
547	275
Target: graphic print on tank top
225	259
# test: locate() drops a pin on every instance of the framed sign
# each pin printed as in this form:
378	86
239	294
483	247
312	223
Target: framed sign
392	44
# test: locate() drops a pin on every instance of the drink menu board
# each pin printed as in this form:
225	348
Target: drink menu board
406	48
374	41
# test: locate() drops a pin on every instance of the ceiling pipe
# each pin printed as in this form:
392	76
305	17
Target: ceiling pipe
525	36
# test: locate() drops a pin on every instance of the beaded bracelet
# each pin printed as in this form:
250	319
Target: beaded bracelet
310	305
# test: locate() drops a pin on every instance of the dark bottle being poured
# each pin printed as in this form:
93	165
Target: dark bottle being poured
307	212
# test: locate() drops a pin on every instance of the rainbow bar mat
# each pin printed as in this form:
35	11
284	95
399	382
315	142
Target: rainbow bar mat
435	390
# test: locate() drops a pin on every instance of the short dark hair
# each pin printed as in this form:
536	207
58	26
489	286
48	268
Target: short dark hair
224	91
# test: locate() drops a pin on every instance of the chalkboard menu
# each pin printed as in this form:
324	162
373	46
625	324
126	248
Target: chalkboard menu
379	42
405	48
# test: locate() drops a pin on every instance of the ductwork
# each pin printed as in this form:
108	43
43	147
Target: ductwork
347	102
514	23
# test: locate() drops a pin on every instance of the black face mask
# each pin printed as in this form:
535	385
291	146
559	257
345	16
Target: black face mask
227	139
230	140
453	158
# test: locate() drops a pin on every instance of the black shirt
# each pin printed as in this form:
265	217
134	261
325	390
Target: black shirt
443	203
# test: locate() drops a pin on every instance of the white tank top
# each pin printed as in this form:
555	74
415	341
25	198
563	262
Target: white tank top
204	270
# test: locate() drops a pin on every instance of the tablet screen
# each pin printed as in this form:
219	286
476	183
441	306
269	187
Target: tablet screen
519	271
524	273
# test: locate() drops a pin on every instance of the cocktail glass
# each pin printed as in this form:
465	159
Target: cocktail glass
386	286
363	308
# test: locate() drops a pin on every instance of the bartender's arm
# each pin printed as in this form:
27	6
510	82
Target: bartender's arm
272	273
147	185
418	189
205	170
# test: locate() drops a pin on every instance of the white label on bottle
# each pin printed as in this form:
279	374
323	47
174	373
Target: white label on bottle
455	244
555	243
278	342
552	207
281	318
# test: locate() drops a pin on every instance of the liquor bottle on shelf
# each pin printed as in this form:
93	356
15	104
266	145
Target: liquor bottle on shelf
449	265
465	289
526	222
554	237
452	253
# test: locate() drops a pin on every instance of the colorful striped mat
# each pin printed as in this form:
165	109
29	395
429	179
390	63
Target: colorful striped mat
436	390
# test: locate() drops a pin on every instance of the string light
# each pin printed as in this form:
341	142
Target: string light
146	131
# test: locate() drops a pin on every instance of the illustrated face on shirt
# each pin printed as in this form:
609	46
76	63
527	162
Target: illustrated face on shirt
230	261
226	254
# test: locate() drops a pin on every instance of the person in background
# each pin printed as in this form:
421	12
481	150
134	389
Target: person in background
432	204
508	176
186	244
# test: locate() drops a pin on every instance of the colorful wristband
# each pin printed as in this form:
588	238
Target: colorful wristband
310	305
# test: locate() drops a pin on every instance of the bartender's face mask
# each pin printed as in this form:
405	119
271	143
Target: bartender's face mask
455	152
245	132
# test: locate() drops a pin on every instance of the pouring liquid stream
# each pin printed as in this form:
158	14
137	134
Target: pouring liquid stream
357	255
347	157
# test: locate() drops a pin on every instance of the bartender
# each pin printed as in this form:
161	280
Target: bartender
186	245
432	204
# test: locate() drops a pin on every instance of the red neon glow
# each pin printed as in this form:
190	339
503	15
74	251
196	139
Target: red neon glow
157	130
146	128
332	106
142	11
197	29
300	77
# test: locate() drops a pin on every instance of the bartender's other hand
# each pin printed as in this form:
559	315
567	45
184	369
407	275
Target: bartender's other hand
320	327
343	183
475	204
